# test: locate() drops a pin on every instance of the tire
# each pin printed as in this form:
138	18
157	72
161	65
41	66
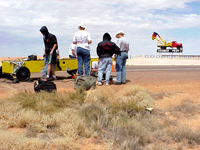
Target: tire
23	74
178	47
72	72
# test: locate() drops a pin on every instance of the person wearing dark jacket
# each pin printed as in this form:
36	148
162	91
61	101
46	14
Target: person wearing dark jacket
50	55
105	51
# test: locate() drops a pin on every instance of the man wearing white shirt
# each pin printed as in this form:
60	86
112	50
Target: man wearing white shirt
82	39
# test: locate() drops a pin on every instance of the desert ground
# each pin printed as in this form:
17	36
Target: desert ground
176	83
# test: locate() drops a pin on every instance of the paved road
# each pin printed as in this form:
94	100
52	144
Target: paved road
162	68
160	72
155	75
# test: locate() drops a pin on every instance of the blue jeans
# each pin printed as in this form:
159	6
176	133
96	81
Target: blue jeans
46	60
44	72
105	64
121	67
83	56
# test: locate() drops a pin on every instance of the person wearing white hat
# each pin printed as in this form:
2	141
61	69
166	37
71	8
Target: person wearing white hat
82	39
123	44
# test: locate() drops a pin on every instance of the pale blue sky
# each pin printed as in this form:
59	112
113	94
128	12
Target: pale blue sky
174	20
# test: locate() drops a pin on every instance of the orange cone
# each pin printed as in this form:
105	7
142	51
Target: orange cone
113	68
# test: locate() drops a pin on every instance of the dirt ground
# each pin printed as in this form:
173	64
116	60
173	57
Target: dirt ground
181	85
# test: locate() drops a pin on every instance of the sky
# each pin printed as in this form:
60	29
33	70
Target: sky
173	20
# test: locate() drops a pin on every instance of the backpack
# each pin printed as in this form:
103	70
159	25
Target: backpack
44	84
85	82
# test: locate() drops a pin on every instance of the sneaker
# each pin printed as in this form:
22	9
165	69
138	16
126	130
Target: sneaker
107	84
99	83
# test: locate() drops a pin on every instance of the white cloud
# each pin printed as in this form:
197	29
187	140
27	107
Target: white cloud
24	18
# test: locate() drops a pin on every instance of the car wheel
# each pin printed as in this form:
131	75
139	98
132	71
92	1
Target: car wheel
23	74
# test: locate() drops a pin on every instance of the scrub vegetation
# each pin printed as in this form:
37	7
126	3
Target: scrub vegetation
117	120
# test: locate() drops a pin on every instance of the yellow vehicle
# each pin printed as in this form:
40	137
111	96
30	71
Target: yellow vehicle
22	69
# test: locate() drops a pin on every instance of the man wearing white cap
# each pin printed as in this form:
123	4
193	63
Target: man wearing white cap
123	44
82	39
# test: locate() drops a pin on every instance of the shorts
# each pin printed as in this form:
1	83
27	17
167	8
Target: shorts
52	58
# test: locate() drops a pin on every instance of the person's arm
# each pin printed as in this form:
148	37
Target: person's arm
89	39
94	70
117	51
53	48
73	52
44	54
74	41
58	56
99	50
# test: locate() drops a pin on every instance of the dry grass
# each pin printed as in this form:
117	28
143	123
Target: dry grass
120	121
182	132
186	107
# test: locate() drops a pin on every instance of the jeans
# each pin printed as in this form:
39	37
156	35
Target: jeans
83	56
104	64
44	72
46	60
121	67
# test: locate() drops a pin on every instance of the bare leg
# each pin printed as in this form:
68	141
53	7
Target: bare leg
52	70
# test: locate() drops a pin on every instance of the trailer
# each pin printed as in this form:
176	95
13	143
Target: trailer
22	69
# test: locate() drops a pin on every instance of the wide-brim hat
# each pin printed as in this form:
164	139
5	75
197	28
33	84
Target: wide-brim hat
119	32
82	25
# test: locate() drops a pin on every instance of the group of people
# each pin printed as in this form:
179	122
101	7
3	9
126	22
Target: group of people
80	49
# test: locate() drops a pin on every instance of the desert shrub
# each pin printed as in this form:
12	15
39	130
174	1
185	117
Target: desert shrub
127	135
120	120
133	90
181	133
70	123
157	96
12	141
132	105
96	117
187	107
78	96
104	95
46	102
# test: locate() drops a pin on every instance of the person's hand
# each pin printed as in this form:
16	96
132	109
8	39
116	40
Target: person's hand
51	52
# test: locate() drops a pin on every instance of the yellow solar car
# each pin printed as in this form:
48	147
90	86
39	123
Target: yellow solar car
22	69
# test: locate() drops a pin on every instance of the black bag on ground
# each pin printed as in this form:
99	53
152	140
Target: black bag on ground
45	85
84	82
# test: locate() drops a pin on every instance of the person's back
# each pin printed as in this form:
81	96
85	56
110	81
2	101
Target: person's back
82	39
123	43
105	51
106	48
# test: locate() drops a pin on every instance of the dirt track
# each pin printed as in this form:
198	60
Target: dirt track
153	78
